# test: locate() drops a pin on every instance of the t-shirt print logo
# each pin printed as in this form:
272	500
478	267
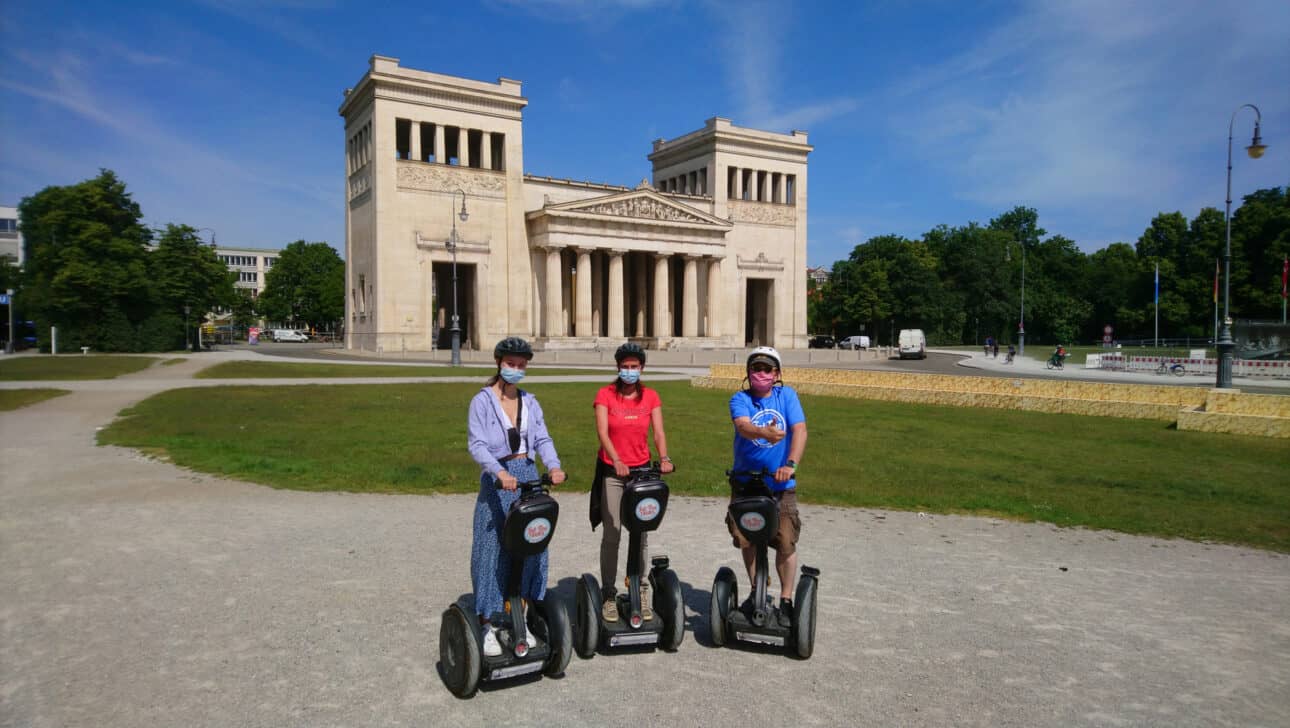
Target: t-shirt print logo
764	417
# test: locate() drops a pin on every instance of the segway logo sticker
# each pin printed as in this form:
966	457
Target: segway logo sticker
752	521
647	509
537	530
764	417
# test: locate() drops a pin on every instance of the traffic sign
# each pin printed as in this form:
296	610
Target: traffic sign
4	299
1107	329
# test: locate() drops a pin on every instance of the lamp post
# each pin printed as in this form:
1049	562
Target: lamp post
452	248
1021	326
8	344
187	308
1226	346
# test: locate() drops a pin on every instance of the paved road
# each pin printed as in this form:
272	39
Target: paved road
135	593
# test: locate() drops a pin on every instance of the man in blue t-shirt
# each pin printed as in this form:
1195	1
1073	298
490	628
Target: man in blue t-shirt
770	434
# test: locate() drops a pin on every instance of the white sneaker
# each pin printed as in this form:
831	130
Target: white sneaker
492	648
528	632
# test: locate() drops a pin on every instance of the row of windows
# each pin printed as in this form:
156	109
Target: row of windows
8	225
760	186
248	276
359	149
423	141
246	261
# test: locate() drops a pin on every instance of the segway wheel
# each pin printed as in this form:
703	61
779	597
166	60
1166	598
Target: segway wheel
459	652
804	617
724	589
559	636
668	603
586	629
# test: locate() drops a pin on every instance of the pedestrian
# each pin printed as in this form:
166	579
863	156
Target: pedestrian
770	436
994	348
626	412
504	430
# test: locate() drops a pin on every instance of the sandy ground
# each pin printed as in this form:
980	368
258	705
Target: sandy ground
134	593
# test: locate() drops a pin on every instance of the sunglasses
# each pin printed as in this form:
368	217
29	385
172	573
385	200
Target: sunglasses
762	368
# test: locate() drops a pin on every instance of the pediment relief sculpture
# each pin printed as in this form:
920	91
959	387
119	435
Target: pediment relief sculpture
642	207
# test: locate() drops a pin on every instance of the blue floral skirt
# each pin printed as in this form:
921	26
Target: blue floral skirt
490	566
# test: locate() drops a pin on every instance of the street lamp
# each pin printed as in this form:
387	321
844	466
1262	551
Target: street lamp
1226	347
1021	327
452	248
187	337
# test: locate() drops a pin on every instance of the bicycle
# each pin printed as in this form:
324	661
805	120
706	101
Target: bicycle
1174	368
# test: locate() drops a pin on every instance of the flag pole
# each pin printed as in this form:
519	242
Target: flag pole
1157	305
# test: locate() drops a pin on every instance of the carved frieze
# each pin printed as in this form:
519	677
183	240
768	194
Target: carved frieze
760	263
445	178
763	213
642	207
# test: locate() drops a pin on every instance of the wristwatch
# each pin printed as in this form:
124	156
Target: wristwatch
665	459
792	464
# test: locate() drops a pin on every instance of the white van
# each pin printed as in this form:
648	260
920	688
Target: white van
854	342
913	345
290	335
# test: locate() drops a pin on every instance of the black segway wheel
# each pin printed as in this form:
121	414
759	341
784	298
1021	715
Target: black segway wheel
804	617
669	604
724	589
559	634
459	652
586	628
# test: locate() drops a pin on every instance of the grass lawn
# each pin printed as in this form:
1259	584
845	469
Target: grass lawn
1128	475
292	370
12	399
70	366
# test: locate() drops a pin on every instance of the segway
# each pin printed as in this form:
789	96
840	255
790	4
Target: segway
529	526
756	514
643	505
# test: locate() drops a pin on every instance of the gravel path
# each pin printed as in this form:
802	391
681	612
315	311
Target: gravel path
134	593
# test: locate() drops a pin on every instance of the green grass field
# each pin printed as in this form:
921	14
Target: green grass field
292	370
70	366
12	399
1128	475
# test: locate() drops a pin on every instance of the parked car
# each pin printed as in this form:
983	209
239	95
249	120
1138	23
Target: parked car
854	342
820	342
281	335
913	344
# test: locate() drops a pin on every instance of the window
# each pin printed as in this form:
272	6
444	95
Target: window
269	261
402	139
8	226
248	276
499	151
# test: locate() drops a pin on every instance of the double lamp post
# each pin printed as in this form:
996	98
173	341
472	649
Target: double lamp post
451	245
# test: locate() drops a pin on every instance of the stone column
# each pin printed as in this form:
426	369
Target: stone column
641	290
554	295
414	141
690	298
662	293
616	294
486	150
778	194
439	144
463	146
582	322
597	293
739	183
714	297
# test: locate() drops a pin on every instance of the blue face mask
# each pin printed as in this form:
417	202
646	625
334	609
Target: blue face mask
512	376
629	376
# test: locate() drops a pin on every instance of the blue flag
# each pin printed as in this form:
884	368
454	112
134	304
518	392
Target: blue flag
1157	283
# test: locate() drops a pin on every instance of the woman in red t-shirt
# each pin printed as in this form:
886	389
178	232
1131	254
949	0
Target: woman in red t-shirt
625	412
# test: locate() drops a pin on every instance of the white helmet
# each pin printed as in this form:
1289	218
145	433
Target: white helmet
765	354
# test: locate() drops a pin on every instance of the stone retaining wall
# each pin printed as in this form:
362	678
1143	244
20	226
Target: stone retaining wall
1191	408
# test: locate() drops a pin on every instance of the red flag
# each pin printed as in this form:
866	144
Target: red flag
1285	273
1216	283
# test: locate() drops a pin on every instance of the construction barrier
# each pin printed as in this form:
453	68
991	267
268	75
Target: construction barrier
1151	364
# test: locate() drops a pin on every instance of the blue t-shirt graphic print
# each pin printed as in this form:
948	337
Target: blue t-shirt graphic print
780	409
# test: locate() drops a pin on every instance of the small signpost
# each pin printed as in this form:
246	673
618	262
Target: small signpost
1106	335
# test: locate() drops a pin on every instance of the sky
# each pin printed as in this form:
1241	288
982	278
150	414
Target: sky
222	114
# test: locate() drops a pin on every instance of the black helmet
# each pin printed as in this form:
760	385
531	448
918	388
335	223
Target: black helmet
629	349
512	346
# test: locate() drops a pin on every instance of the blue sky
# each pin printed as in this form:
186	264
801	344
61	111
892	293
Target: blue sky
222	113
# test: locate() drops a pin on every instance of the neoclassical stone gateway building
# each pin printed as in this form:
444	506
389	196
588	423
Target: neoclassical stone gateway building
711	254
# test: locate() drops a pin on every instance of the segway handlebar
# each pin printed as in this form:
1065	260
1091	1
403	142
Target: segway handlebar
527	485
745	480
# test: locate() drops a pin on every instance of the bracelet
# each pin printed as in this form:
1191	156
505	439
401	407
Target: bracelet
665	459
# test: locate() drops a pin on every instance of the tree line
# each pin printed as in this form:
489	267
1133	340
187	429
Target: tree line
106	280
962	284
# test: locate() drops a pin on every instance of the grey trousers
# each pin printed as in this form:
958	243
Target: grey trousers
612	532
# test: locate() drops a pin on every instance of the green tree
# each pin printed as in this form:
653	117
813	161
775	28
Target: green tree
86	264
306	286
243	308
186	272
1260	242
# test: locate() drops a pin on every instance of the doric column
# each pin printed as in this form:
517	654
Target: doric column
486	150
662	294
438	144
554	294
690	298
714	297
463	146
778	194
616	294
582	325
642	293
739	183
414	141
